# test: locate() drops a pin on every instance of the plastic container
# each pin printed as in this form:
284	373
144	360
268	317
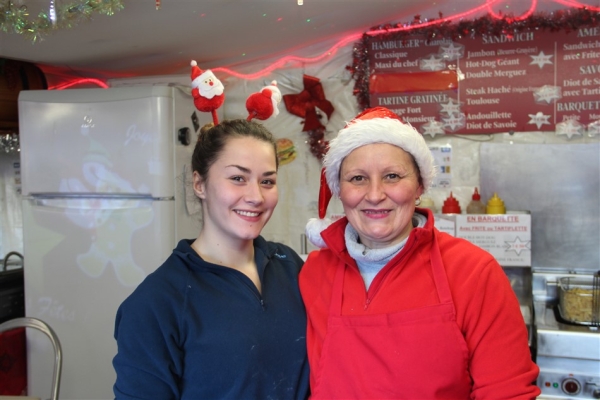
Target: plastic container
495	205
476	206
451	205
427	202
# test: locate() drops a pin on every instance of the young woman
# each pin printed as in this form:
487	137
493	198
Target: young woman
222	318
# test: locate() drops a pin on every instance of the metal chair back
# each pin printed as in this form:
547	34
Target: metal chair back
27	322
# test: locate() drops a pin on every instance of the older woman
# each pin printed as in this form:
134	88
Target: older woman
396	308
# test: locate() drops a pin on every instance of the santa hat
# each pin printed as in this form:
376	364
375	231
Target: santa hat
264	104
197	74
275	92
374	125
275	96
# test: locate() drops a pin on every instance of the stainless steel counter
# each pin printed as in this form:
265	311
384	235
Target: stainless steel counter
568	354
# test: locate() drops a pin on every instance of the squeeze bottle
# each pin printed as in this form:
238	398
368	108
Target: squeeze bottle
495	205
451	205
427	202
476	206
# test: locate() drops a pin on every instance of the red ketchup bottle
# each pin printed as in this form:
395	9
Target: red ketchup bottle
451	205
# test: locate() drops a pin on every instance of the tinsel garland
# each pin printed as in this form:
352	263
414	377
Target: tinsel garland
563	20
9	142
317	143
65	15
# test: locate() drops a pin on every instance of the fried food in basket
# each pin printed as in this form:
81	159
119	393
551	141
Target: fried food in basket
576	305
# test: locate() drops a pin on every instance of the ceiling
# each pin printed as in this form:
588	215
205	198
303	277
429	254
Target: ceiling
141	40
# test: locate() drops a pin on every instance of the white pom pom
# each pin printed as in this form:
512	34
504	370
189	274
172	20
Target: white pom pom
313	230
193	63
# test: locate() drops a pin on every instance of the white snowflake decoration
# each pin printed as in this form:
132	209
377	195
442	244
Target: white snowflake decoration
452	51
547	94
541	59
432	63
432	128
454	122
451	107
569	128
539	119
593	129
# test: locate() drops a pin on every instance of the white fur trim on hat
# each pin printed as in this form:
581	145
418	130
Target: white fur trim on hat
275	97
377	130
313	230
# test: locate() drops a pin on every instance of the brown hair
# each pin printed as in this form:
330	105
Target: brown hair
213	138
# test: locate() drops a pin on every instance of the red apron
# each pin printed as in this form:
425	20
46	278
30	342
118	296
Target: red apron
411	354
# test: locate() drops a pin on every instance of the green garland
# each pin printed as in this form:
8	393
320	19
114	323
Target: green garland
15	19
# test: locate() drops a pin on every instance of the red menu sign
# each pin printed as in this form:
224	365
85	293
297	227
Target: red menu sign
528	81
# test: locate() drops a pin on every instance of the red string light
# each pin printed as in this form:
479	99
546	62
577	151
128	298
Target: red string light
352	38
520	18
284	60
82	81
488	3
577	4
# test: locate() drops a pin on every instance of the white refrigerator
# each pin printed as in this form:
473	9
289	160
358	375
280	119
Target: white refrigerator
104	175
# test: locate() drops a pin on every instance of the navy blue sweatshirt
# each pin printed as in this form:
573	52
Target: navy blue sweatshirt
196	330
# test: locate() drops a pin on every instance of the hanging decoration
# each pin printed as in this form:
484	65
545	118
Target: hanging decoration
207	90
493	25
9	142
60	15
313	107
264	104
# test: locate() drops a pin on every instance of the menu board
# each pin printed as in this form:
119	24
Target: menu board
527	81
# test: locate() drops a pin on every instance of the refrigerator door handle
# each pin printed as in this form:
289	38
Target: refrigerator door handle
108	196
94	202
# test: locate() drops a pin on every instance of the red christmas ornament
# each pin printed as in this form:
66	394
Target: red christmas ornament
207	91
263	105
305	103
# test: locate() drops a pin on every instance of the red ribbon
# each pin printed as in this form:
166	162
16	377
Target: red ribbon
305	104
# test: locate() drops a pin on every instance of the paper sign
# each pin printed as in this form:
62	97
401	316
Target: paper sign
506	236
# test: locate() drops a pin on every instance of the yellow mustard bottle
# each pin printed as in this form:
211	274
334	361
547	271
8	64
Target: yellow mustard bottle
495	205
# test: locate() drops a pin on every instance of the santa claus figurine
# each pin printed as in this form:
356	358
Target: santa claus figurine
263	105
207	91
